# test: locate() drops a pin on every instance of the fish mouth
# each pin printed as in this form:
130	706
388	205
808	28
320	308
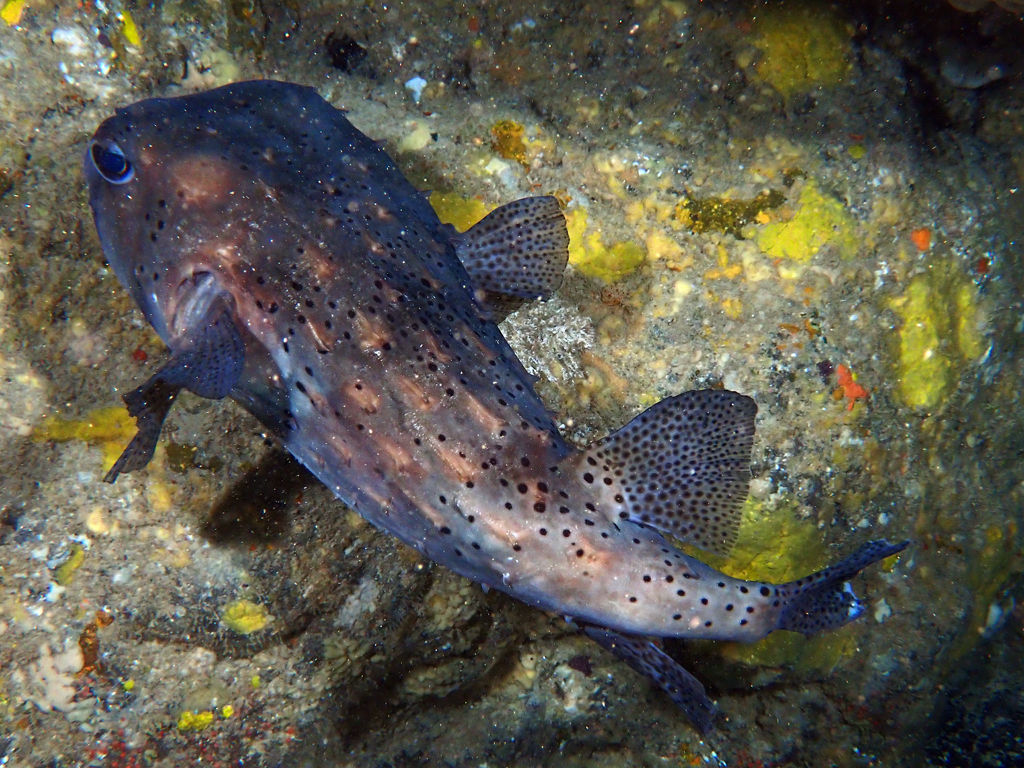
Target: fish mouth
110	162
195	294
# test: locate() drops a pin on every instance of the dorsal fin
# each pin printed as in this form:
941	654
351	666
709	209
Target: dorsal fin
516	252
683	466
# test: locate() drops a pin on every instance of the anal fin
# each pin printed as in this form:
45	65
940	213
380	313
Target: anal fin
209	366
650	661
516	252
683	466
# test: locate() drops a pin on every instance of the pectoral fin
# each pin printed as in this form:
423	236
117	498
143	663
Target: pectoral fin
209	366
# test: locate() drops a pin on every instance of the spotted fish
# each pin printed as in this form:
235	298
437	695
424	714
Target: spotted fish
289	265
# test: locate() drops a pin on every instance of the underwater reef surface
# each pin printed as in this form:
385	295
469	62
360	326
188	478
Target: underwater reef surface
816	205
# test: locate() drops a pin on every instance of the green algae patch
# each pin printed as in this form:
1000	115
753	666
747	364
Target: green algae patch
802	49
939	334
461	212
820	221
776	546
722	214
245	617
592	258
109	428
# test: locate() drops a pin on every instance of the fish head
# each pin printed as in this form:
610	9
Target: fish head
178	193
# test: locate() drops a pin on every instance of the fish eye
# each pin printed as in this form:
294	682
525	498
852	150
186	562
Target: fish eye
110	162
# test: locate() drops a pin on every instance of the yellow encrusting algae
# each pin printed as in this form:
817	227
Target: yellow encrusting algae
940	333
589	254
801	49
109	428
245	617
820	221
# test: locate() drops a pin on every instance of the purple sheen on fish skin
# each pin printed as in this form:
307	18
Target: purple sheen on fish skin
289	265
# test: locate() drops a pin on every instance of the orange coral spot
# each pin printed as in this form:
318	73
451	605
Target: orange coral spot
922	238
852	391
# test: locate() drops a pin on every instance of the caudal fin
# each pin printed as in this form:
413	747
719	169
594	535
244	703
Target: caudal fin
825	600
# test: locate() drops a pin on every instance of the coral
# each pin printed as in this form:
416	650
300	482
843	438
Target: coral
549	339
49	681
801	49
820	221
940	333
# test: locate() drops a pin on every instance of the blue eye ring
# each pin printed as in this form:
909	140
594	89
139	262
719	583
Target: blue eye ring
111	163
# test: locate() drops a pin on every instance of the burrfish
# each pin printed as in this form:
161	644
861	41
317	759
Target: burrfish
288	264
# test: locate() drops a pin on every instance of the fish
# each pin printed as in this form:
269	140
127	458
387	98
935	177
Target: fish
287	264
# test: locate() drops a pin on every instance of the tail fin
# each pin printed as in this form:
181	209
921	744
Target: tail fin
825	600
